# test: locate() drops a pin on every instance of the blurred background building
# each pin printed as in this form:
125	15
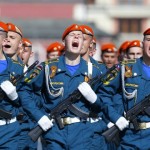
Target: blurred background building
43	21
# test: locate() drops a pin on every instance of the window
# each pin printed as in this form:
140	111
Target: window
130	25
89	1
131	2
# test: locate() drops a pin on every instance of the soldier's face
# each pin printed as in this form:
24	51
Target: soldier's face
86	43
3	35
146	46
109	59
134	52
122	56
53	55
74	42
92	50
12	43
26	54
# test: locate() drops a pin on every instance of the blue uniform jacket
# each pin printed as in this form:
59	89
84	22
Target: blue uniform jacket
13	69
137	80
60	78
107	90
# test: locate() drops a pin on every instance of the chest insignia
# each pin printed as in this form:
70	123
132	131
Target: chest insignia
86	78
53	71
128	71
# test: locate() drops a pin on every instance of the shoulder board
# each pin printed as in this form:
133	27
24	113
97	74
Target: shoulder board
129	61
17	62
96	66
99	62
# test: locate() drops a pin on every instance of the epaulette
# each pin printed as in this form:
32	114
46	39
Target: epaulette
17	62
99	62
93	65
36	71
129	61
96	66
52	60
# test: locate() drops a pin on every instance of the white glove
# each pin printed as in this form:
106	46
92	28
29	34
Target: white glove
45	123
122	123
87	92
110	124
9	89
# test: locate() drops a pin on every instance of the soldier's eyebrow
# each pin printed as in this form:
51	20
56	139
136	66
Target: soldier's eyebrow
147	38
12	36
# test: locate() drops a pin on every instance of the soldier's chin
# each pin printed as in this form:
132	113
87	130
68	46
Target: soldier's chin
6	48
74	48
109	65
8	53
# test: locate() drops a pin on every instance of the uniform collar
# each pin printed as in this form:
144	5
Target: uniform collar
93	61
62	66
137	69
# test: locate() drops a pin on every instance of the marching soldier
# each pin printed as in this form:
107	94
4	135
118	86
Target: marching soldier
27	123
11	45
134	78
135	89
56	80
132	50
9	70
99	125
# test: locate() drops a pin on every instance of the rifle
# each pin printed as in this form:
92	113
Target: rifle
14	81
5	114
142	107
67	104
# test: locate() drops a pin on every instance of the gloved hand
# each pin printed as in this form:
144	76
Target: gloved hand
45	123
9	89
122	123
87	92
110	124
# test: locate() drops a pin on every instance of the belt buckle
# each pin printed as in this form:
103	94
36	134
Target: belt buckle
142	125
66	121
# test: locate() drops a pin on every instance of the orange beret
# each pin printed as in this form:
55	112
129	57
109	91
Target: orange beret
26	42
14	28
73	27
55	46
87	30
147	32
3	27
94	39
123	46
135	43
109	47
